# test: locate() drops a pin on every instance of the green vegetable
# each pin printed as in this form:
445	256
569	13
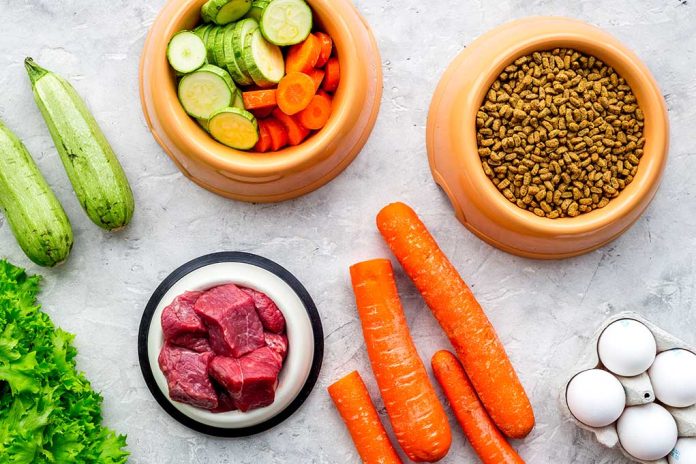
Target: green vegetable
33	212
186	52
224	11
99	182
257	7
206	91
235	128
264	61
286	22
48	411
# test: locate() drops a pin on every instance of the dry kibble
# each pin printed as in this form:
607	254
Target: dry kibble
560	133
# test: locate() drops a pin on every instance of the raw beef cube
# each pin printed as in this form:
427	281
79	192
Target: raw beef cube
271	317
181	325
251	380
234	327
225	401
278	343
187	376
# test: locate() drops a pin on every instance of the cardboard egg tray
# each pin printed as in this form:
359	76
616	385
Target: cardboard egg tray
638	389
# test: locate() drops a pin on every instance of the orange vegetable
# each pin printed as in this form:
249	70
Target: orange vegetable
333	75
296	131
317	76
461	317
326	48
417	417
353	403
259	99
295	91
261	113
303	56
264	143
278	132
484	437
317	112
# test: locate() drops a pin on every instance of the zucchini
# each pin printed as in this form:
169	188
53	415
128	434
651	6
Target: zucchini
210	43
224	11
240	36
286	22
33	212
96	175
235	128
263	60
231	63
186	52
256	11
205	91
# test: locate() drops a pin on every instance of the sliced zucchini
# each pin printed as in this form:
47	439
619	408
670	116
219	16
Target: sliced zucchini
219	45
235	128
256	11
238	101
210	43
205	91
224	11
186	52
229	61
286	22
263	60
241	35
202	31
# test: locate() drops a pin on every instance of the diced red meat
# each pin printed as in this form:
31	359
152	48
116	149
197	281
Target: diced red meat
278	343
251	380
182	327
234	327
269	313
187	376
225	401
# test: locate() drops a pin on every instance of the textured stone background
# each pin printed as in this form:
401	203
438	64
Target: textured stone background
544	311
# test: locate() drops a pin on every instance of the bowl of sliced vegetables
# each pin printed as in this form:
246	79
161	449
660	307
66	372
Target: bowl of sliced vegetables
261	100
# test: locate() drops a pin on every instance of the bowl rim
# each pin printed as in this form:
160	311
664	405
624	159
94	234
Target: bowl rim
581	36
220	258
202	147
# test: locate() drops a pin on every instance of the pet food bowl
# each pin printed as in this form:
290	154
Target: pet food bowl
265	177
304	331
456	165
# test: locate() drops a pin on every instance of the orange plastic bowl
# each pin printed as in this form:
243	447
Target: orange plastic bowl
266	177
453	151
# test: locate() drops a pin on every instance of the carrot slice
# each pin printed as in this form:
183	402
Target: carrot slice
326	48
264	112
333	75
264	143
461	317
317	112
295	91
355	406
484	437
296	132
303	56
278	132
417	417
259	99
317	76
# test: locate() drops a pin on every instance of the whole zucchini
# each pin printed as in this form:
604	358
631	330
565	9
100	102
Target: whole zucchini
33	212
97	177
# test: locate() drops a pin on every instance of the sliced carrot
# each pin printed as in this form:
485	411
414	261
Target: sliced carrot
317	76
333	75
261	113
417	417
296	132
317	112
264	143
326	48
478	427
278	132
355	406
295	91
259	99
461	317
303	56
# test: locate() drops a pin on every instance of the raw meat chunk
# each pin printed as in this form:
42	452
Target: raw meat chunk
271	317
234	327
181	325
187	376
278	343
225	401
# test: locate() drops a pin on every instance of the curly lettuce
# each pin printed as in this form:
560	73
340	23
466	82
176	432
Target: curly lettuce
48	410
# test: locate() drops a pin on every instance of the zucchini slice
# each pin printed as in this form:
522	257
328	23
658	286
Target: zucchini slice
240	36
224	11
235	128
205	91
210	43
230	60
264	60
286	22
186	52
256	11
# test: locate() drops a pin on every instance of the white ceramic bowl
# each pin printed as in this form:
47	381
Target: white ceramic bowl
305	337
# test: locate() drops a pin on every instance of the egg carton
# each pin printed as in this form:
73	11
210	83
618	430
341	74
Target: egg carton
638	389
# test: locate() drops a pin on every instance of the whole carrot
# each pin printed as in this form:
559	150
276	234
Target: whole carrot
417	417
461	317
353	403
484	437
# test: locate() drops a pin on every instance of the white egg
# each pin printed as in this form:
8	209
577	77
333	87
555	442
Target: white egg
673	375
647	432
627	347
596	398
684	452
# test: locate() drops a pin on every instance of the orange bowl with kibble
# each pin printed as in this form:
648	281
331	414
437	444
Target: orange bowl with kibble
292	171
485	170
